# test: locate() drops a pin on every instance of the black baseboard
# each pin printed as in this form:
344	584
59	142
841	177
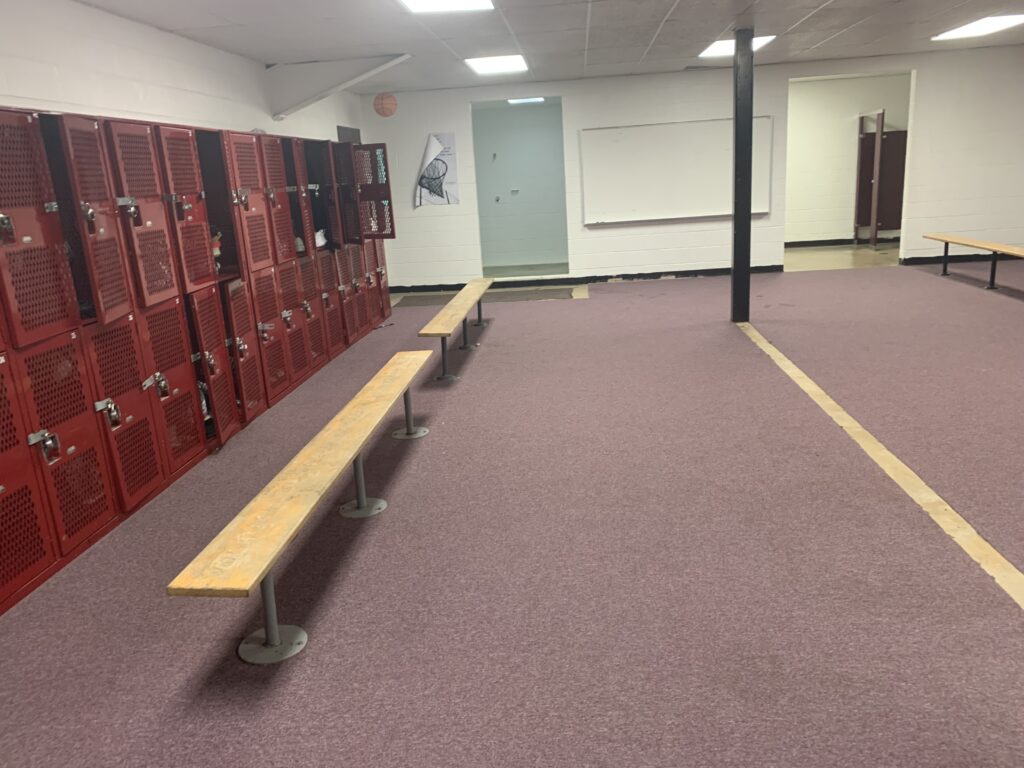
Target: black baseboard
826	243
957	259
556	281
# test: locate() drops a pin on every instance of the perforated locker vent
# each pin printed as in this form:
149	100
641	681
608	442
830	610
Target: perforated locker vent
256	234
283	233
275	363
273	159
24	181
42	285
112	286
23	544
137	160
316	336
345	264
241	319
297	349
223	401
182	431
290	298
165	338
118	364
375	217
9	436
208	313
250	376
56	385
248	165
88	163
325	273
137	452
197	252
335	329
155	255
181	163
363	166
81	496
307	269
370	254
266	298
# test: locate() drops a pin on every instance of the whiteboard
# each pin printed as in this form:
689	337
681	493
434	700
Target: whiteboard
668	171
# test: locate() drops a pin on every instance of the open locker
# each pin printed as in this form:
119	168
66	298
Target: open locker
331	294
312	307
28	541
220	204
301	203
114	354
278	197
270	329
186	206
249	199
245	346
89	215
65	437
296	332
35	278
214	363
323	192
167	352
364	191
140	198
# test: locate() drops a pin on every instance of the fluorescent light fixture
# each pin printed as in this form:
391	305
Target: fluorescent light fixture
531	100
728	47
497	65
981	27
446	6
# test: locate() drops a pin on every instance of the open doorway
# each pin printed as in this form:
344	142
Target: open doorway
843	199
520	187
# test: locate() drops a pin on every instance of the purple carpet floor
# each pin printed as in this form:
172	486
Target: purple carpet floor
628	541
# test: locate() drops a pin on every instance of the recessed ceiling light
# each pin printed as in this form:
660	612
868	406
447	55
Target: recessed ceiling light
445	6
497	65
981	27
728	47
531	100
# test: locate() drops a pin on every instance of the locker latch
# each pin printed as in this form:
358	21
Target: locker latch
314	188
211	363
48	443
308	309
130	204
110	409
241	348
51	207
286	315
326	297
147	383
88	212
370	281
240	197
163	388
271	193
6	229
355	286
263	329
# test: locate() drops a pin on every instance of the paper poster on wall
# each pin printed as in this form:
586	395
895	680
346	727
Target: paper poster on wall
439	173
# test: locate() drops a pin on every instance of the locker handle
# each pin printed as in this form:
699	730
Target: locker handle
286	315
211	363
89	214
48	443
109	408
263	329
326	297
241	347
6	229
163	388
308	309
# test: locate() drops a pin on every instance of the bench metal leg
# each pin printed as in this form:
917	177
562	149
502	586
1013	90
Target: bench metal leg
480	314
445	376
992	273
945	261
362	506
274	642
410	432
465	334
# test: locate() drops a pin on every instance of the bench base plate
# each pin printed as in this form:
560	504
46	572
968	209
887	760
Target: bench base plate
417	432
253	650
373	507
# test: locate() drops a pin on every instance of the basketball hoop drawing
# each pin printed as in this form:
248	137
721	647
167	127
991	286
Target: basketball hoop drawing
432	180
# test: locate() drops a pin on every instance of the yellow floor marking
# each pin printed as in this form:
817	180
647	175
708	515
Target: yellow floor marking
948	519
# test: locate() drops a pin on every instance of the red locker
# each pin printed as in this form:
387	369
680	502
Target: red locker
269	326
27	547
143	216
175	391
301	193
125	408
186	201
245	345
248	194
65	437
296	333
38	293
312	307
374	300
214	362
357	314
278	201
331	293
382	276
364	191
95	217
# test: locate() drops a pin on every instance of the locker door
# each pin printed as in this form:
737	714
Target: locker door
361	294
382	277
349	292
248	195
125	408
143	215
65	437
312	307
27	546
270	327
35	279
331	292
296	147
278	202
294	321
175	392
245	356
373	296
96	217
362	175
214	362
187	206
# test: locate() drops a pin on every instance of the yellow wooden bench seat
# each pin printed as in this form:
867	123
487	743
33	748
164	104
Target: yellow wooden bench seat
456	311
244	552
996	249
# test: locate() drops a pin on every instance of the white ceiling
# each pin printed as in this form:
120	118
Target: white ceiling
561	39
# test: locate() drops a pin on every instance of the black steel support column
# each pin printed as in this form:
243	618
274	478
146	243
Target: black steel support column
743	152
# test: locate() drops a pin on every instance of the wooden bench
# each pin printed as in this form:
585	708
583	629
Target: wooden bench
997	249
455	311
242	555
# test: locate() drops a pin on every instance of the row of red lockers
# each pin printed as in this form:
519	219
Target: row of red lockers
161	287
